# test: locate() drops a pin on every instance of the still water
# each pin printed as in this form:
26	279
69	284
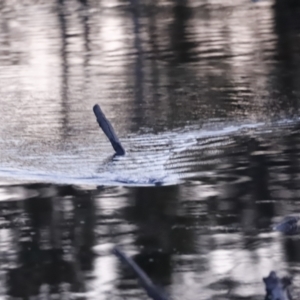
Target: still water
204	96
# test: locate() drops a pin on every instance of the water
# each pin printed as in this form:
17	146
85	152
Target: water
204	96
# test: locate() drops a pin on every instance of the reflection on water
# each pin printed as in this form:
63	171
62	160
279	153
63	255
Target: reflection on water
204	95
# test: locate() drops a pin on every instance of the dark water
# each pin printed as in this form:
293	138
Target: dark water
204	95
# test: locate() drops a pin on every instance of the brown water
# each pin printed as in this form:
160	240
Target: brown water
204	96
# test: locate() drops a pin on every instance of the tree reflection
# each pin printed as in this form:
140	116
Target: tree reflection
56	248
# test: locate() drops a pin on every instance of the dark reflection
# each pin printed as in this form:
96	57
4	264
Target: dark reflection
181	45
67	55
291	247
64	66
292	156
287	28
139	59
85	20
55	248
154	213
260	177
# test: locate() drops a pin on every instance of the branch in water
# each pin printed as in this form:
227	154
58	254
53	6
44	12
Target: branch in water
145	281
107	128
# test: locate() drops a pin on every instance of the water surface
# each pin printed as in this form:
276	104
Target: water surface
204	96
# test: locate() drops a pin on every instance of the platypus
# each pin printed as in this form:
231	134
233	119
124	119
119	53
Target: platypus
277	288
152	291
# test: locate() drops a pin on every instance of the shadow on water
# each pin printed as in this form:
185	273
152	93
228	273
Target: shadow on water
204	96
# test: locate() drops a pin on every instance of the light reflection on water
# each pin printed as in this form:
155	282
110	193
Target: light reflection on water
204	95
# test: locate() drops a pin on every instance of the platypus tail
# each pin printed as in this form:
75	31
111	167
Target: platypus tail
107	128
145	281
